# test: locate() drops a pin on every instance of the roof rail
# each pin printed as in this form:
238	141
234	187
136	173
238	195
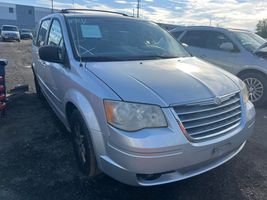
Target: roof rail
91	10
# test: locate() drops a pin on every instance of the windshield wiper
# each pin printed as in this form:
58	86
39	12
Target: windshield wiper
122	58
155	57
103	58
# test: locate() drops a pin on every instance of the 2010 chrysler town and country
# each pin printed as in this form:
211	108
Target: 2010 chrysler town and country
139	107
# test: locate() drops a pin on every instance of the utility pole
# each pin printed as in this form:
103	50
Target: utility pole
138	7
52	2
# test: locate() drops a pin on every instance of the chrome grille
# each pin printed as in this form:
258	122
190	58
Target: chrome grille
207	119
11	34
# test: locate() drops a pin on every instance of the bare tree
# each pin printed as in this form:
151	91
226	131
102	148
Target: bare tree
261	28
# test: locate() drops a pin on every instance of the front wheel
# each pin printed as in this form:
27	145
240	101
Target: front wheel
257	87
82	144
37	87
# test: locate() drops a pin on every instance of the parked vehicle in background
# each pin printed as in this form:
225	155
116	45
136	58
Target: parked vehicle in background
240	52
10	32
25	34
138	105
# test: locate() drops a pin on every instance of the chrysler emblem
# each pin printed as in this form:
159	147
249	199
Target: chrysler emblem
217	100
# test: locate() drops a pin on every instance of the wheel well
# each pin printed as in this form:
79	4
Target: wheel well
250	70
70	107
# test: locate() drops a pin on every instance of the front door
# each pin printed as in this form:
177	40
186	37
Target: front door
56	73
38	64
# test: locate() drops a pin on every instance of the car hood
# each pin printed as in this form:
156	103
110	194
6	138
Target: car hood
164	82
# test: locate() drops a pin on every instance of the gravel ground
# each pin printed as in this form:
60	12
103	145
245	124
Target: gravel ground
36	159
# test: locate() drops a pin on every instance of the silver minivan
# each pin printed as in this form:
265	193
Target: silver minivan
138	106
240	52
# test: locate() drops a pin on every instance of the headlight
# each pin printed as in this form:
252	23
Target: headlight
133	116
244	91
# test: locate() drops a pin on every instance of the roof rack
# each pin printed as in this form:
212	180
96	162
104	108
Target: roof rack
91	10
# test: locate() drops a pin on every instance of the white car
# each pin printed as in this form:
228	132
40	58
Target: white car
10	32
240	52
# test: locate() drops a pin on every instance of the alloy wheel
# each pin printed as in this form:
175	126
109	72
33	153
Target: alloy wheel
80	142
255	88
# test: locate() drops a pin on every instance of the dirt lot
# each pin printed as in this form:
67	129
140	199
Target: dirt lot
36	159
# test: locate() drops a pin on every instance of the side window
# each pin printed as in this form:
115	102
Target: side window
195	38
42	33
219	41
177	34
209	40
55	37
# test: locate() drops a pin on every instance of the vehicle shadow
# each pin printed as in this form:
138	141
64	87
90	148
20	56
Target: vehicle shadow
37	162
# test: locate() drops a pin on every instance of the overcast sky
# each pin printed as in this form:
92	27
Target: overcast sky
226	13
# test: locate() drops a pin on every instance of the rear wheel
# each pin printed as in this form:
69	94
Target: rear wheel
257	87
82	144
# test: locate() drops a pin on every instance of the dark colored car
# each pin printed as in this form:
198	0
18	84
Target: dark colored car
25	34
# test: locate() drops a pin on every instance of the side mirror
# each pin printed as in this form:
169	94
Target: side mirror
227	46
50	54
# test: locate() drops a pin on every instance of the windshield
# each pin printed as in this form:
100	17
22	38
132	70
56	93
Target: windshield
9	28
25	31
250	41
121	39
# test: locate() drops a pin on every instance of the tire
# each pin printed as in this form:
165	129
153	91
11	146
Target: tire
37	87
257	87
82	145
18	40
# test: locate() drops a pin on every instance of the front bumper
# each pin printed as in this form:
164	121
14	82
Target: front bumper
173	157
10	37
25	37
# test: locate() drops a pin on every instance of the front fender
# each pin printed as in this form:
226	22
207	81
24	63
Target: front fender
83	105
86	110
253	67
